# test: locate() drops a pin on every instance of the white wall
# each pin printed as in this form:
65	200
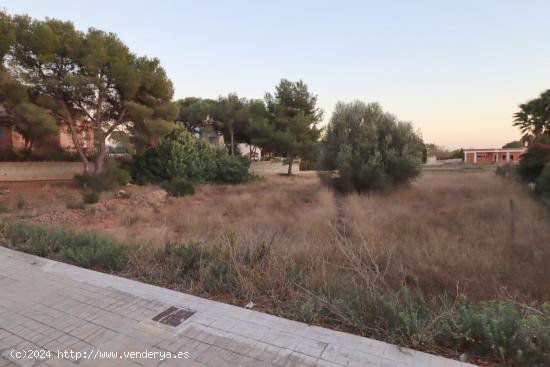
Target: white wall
39	171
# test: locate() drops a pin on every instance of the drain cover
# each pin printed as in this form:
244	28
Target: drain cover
173	316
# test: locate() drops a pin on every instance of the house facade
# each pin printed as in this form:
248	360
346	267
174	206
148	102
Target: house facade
253	152
11	140
493	156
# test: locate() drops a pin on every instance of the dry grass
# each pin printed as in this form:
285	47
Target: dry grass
297	249
447	232
483	235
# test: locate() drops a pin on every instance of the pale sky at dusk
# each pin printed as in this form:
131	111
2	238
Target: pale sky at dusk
457	70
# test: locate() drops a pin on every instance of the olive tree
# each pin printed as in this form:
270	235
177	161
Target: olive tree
369	149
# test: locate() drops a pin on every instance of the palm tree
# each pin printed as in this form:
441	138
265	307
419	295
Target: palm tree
533	118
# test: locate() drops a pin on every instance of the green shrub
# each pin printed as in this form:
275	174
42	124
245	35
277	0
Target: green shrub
543	182
369	148
218	269
179	187
218	276
499	330
231	169
111	178
123	177
496	331
96	254
98	183
73	204
84	249
180	154
90	197
532	162
308	165
4	208
182	262
21	202
209	266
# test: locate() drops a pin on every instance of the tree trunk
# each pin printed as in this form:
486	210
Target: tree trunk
28	145
290	162
76	142
101	154
232	136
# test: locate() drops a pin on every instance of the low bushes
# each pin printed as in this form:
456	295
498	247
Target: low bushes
123	177
543	182
533	161
112	177
226	267
181	155
179	186
84	249
183	263
21	203
534	166
90	197
496	331
231	169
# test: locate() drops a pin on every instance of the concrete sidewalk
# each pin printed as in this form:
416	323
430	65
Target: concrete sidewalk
55	307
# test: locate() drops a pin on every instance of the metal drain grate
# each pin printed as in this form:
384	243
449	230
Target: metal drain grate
173	316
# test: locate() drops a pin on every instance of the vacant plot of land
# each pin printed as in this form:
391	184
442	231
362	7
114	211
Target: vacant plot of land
470	232
296	249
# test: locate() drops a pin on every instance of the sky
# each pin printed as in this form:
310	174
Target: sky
456	69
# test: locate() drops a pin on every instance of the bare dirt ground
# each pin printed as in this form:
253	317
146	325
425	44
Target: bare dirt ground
464	230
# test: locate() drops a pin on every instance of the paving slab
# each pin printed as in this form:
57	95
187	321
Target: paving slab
55	314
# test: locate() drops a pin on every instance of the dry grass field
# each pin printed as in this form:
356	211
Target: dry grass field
465	231
296	249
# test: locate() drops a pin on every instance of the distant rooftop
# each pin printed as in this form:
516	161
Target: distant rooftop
493	149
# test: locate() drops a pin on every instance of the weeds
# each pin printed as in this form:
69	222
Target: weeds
73	204
90	197
447	265
21	203
131	220
112	177
85	249
497	331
